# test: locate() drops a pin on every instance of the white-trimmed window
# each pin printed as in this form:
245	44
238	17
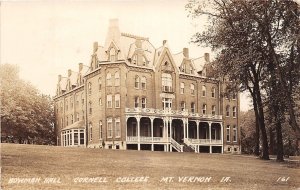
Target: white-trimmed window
117	78
227	111
182	106
117	127
181	88
109	128
72	119
145	62
204	109
100	101
166	82
112	54
144	102
143	81
77	116
134	59
192	89
234	112
100	83
234	96
234	133
213	92
109	101
100	130
203	90
90	108
193	107
117	101
213	110
167	103
91	131
228	133
108	79
67	121
137	82
136	102
90	87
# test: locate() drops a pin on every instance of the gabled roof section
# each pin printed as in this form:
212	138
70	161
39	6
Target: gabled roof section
199	63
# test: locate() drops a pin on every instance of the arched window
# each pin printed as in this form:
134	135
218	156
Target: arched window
144	102
90	87
109	101
82	98
134	59
192	89
213	92
72	119
100	83
227	111
204	109
181	88
117	101
234	133
203	90
166	82
137	82
108	79
228	133
145	62
100	130
193	107
213	110
112	54
143	81
117	79
136	102
109	128
234	111
90	108
234	96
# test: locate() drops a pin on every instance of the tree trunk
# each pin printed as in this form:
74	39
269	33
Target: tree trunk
256	148
279	142
271	147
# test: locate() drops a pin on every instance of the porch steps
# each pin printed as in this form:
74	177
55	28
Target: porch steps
187	148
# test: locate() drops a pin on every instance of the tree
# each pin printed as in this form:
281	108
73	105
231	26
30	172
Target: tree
26	115
258	49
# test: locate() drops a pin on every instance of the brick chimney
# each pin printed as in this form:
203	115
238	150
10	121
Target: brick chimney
69	72
186	52
206	57
80	66
164	42
59	78
95	46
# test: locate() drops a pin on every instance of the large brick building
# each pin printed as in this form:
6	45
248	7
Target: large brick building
135	96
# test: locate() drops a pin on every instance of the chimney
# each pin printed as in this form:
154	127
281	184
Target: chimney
206	57
69	72
80	66
95	46
113	32
59	78
186	52
164	42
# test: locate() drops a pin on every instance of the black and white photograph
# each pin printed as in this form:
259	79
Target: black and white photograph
141	94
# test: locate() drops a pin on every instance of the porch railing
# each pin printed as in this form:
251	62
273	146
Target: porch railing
147	139
203	141
176	145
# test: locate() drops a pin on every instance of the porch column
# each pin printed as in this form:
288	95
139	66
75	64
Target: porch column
221	124
126	128
61	139
171	128
184	132
197	123
138	132
210	148
167	129
84	138
72	131
152	145
187	128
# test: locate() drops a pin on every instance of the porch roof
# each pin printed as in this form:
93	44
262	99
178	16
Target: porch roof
76	125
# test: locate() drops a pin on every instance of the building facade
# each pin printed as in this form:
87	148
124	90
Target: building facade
135	96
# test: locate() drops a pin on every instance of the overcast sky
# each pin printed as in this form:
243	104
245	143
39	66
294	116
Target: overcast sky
46	38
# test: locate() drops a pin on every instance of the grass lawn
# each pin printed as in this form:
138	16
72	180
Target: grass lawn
82	168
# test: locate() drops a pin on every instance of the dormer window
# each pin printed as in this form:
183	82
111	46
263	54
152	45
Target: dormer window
112	54
134	59
204	72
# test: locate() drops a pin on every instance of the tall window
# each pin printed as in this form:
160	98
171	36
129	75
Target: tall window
91	131
61	106
100	102
112	54
227	111
234	134
234	111
137	82
213	92
145	62
109	101
66	105
71	102
136	102
100	130
228	133
182	88
109	128
72	119
82	115
117	101
90	108
90	88
134	59
67	121
204	109
77	99
117	127
144	102
182	106
167	103
143	81
100	83
77	116
82	98
193	107
108	79
166	82
234	96
213	110
192	89
117	79
203	91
